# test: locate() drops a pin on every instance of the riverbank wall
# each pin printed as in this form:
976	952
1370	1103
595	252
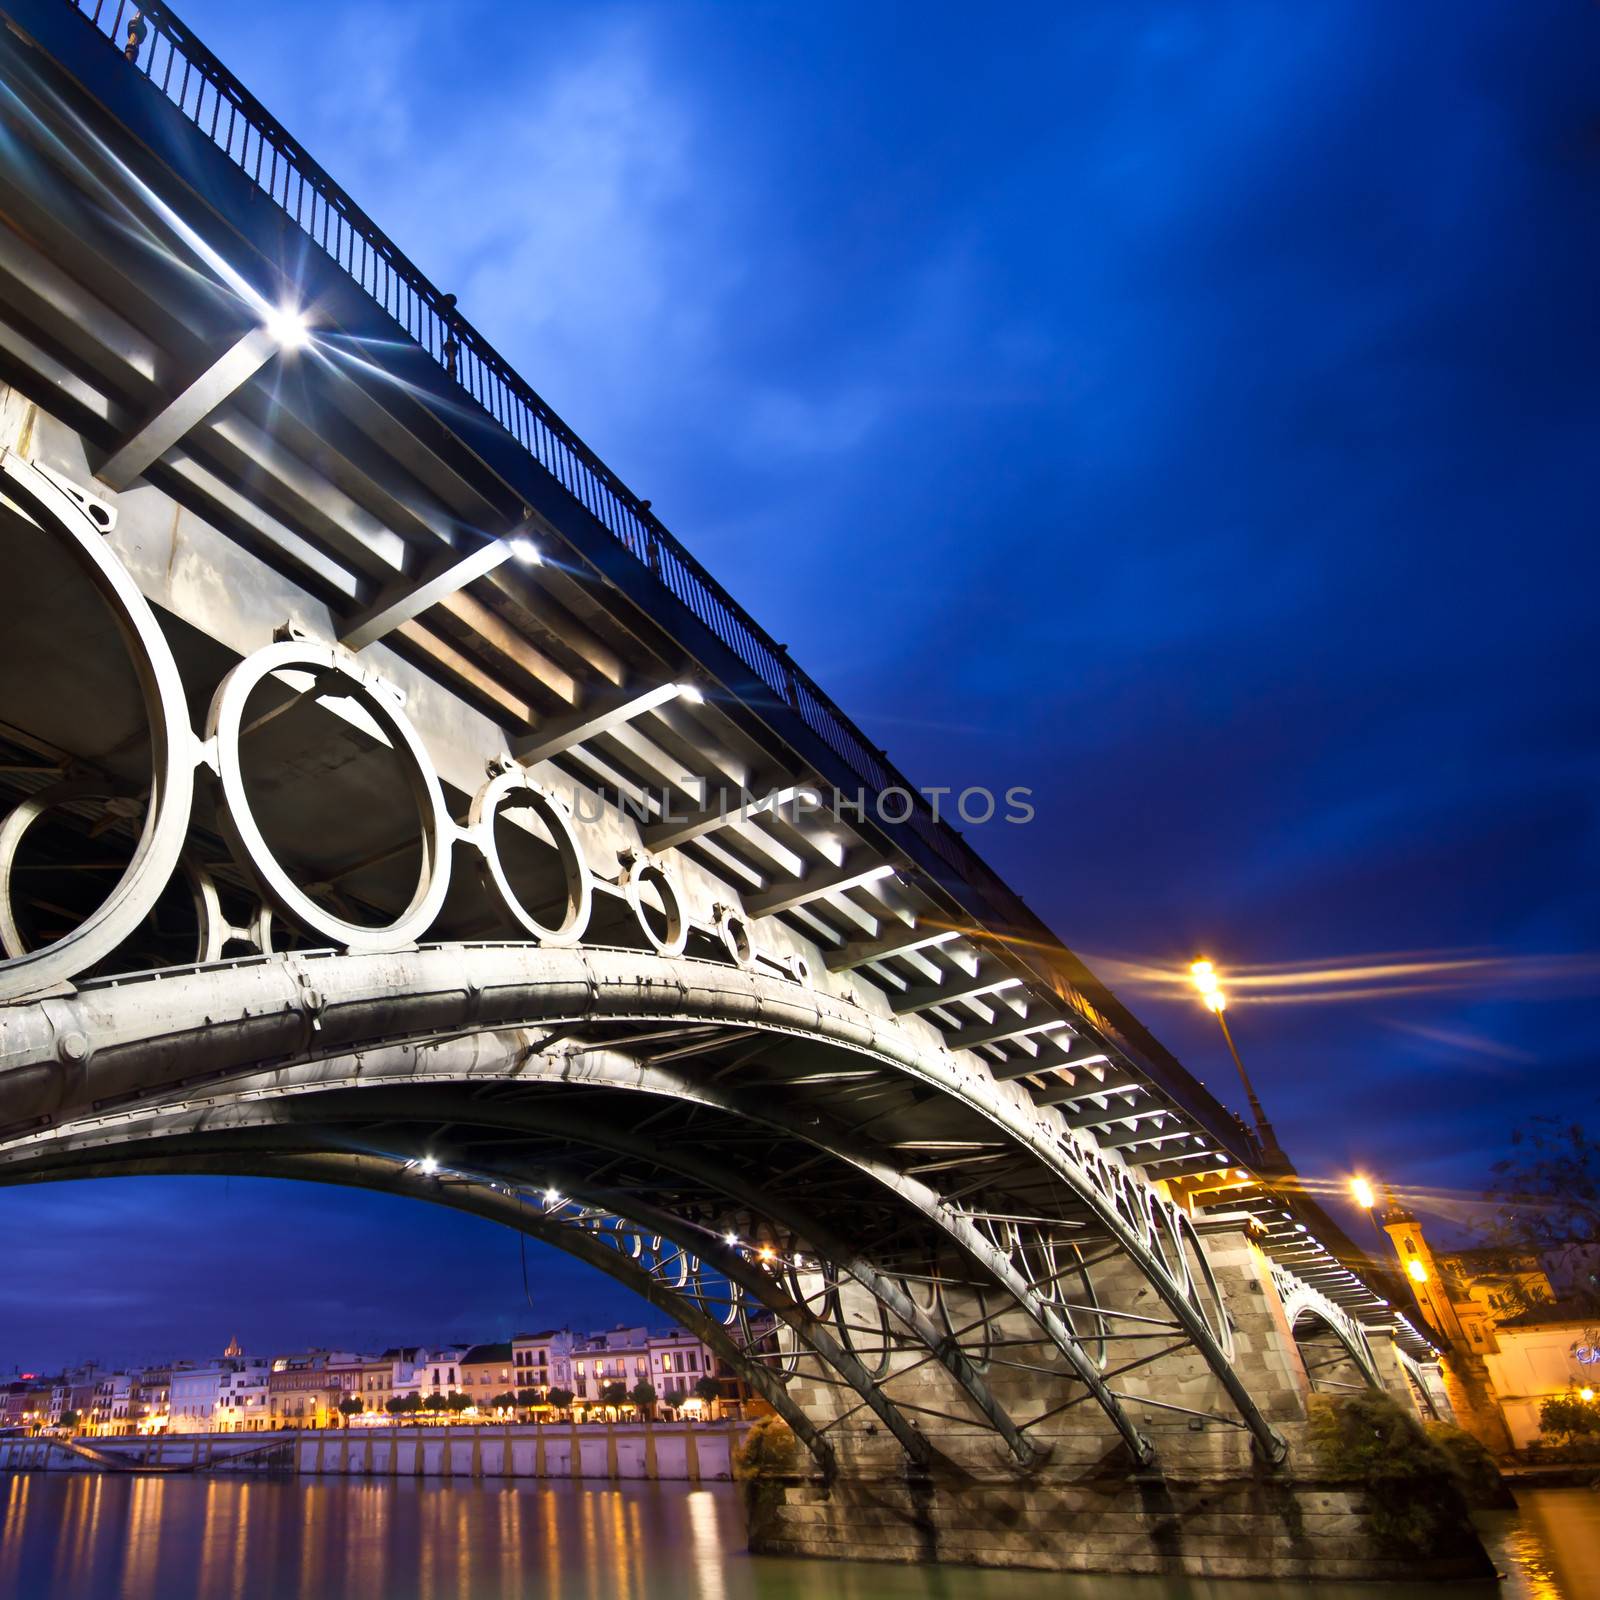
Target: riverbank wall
688	1452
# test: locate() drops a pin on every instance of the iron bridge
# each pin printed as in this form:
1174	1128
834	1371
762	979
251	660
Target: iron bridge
390	800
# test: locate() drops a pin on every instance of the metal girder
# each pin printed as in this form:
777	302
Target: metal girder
161	432
960	1229
1061	1093
903	941
1097	1116
1179	1166
1053	1055
607	710
671	832
1002	1030
857	869
1153	1125
990	978
399	602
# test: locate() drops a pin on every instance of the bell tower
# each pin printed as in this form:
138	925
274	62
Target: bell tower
1422	1271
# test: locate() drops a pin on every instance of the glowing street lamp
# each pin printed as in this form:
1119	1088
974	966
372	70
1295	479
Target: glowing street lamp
1419	1273
1361	1190
1204	975
1209	985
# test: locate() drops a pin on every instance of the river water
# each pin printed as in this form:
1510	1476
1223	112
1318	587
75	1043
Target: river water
87	1536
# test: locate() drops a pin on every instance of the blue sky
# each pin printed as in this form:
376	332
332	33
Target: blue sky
1186	410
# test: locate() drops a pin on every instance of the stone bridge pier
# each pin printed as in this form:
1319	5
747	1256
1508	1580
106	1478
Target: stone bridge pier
1204	1502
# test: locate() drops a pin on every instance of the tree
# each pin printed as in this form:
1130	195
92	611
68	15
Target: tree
1568	1417
709	1390
527	1399
70	1419
349	1406
614	1395
399	1404
1547	1195
643	1395
504	1402
435	1402
561	1399
457	1402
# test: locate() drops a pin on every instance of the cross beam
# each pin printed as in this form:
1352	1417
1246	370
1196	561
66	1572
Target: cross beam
859	952
1098	1116
1054	1055
1179	1166
1059	1093
780	897
399	602
998	1031
673	831
241	362
606	712
988	979
1154	1125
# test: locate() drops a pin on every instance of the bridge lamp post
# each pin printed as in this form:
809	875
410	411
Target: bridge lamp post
1204	975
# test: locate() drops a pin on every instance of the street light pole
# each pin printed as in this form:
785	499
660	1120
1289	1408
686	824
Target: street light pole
1210	987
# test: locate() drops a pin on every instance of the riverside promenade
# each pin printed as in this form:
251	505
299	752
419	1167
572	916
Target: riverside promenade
692	1452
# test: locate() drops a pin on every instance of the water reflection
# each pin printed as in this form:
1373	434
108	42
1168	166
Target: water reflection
88	1537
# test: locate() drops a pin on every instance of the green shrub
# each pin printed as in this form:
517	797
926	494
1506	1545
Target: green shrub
1476	1472
768	1450
1414	1504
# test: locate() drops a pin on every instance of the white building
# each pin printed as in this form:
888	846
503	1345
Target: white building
543	1361
678	1361
671	1363
440	1370
224	1396
1543	1354
193	1399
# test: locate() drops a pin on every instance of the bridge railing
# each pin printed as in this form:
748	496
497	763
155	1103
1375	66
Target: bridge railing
161	47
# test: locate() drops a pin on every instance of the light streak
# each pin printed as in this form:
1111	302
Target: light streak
1366	977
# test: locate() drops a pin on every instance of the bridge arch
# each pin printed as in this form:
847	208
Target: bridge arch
1333	1346
464	1015
495	1202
